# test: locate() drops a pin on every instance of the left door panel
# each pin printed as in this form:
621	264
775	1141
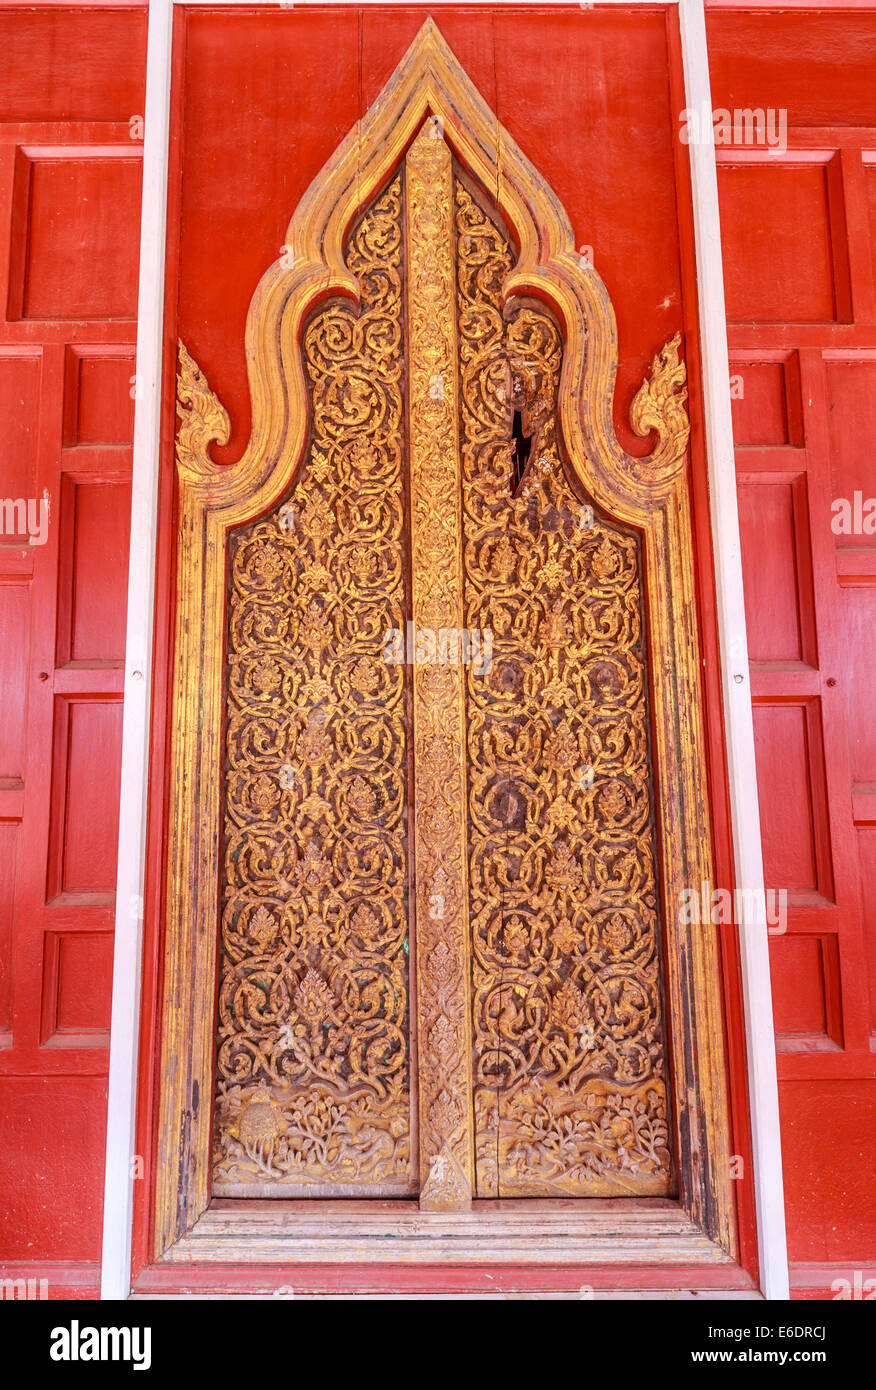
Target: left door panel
72	95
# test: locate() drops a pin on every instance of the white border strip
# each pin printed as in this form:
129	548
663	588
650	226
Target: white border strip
118	1202
739	725
127	963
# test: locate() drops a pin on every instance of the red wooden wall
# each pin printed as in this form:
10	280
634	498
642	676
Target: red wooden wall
799	237
590	96
70	165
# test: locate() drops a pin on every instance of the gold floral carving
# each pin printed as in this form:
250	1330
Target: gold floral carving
446	1160
585	959
569	1053
313	1048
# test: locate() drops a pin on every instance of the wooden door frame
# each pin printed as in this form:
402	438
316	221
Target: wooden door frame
216	1240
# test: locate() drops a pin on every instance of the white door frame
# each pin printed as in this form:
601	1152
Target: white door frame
121	1162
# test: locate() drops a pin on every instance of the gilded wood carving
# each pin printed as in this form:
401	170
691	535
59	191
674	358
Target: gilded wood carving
569	1051
314	1045
447	1161
528	828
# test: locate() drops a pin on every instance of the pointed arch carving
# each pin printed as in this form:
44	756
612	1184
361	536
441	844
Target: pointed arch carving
650	495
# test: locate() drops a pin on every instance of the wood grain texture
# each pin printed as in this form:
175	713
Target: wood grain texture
508	1232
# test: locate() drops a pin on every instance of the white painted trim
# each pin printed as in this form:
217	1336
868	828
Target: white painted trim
739	726
127	965
118	1204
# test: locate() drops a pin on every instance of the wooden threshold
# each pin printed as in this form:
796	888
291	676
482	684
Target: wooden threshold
609	1232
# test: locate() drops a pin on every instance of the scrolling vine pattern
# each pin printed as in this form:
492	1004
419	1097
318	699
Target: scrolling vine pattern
313	1048
567	1037
570	1095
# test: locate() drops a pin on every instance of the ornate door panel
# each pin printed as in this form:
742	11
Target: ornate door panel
314	1038
415	698
540	1064
568	1036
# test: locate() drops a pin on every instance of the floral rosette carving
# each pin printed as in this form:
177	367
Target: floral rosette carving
567	1017
313	1048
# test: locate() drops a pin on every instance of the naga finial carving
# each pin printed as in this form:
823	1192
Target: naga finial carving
204	418
659	405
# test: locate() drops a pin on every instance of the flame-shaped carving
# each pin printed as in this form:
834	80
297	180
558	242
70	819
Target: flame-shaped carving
659	405
204	417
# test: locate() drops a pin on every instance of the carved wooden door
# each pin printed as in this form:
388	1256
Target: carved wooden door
485	810
415	699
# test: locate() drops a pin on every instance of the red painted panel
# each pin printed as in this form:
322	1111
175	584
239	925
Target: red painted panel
19	396
98	397
82	994
758	402
99	570
852	407
73	214
766	523
791	61
830	1196
870	183
14	653
64	64
787	270
797	975
858	616
51	1166
784	778
9	831
867	853
85	808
